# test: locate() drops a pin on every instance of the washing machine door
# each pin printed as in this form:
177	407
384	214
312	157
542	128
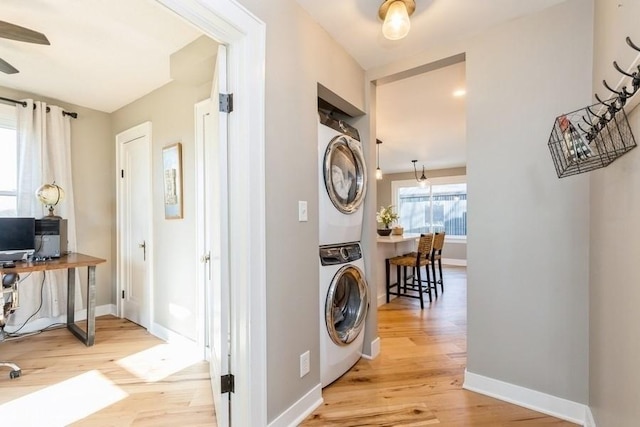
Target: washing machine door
346	305
345	173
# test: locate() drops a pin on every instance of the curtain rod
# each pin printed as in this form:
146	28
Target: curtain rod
24	104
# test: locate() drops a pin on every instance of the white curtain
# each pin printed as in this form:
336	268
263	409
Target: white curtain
44	156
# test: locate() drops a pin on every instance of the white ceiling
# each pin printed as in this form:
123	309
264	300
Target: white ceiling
420	118
356	26
417	117
103	54
106	54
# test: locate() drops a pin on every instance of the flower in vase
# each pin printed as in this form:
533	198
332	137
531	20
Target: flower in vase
386	215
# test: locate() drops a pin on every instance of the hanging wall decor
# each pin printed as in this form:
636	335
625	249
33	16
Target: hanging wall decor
594	136
172	175
582	141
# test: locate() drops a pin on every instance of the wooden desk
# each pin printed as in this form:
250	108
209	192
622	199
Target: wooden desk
70	262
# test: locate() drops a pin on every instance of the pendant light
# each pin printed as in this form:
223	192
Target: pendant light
395	14
422	181
378	170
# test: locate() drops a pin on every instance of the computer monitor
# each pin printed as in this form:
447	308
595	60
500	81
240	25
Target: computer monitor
17	238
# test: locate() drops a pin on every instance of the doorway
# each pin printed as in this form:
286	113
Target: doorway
135	224
231	24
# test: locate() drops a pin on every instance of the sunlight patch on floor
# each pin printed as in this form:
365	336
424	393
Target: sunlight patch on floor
157	363
63	403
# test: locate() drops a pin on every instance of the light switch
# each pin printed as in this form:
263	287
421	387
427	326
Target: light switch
302	211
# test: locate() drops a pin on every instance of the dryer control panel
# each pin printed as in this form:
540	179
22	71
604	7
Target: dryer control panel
340	254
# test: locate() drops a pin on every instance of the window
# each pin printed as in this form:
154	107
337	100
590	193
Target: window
439	206
8	161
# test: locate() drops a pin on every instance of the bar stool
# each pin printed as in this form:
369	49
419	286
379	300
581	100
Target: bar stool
415	261
436	255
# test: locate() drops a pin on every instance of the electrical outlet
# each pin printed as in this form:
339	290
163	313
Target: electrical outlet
304	364
302	211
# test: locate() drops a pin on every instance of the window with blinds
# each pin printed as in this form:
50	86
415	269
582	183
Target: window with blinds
439	206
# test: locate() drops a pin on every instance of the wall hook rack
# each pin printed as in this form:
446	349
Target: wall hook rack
594	136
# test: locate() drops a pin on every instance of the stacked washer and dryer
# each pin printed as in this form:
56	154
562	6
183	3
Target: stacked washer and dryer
344	294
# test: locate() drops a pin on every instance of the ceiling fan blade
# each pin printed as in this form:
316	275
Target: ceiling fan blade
21	34
7	68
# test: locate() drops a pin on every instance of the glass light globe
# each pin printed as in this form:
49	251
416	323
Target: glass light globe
396	23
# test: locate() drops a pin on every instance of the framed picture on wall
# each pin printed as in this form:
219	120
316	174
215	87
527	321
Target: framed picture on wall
172	171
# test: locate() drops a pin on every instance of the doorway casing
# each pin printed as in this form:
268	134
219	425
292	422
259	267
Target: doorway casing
229	23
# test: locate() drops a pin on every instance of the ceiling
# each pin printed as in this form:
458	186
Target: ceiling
420	118
106	54
103	54
356	26
417	117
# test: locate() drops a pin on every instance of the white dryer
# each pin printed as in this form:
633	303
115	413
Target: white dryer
342	181
344	301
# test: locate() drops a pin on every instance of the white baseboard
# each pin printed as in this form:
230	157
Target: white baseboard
588	418
531	399
453	261
375	350
170	336
300	410
103	310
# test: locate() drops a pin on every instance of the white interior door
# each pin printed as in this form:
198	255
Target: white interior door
211	146
134	223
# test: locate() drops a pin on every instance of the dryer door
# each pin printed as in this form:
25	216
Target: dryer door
346	305
345	173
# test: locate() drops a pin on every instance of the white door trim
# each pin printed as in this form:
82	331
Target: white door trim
245	35
142	130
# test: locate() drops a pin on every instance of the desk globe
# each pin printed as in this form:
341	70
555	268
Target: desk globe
50	195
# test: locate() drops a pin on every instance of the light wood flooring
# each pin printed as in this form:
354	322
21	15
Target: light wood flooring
417	379
128	378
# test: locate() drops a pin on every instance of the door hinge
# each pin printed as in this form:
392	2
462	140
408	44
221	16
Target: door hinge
122	294
121	173
226	102
227	384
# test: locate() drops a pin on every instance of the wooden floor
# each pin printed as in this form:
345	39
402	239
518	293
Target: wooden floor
417	379
128	378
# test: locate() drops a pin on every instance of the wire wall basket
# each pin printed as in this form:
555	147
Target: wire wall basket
595	136
589	139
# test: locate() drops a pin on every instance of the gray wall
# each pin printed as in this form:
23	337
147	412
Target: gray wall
93	164
614	348
452	250
170	109
528	246
300	54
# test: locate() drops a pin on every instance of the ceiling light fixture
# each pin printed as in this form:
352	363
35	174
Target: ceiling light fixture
395	14
378	170
423	179
459	93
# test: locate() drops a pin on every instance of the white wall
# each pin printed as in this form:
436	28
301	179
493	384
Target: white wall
529	240
171	112
300	54
614	351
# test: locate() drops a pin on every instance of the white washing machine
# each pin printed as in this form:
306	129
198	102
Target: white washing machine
344	301
342	181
